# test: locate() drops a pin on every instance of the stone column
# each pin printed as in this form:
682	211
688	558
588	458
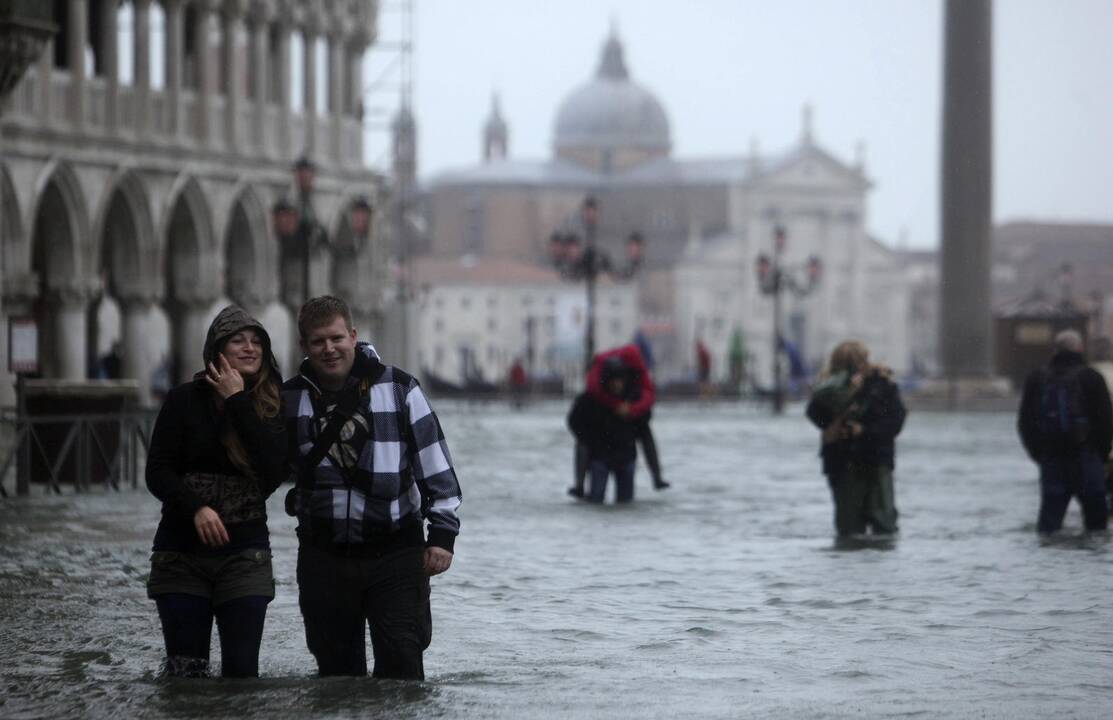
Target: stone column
69	305
45	79
337	70
135	311
77	29
142	38
204	70
110	36
355	78
173	62
309	35
190	326
283	75
257	25
966	323
231	18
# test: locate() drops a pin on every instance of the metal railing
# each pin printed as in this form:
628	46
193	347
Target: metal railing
81	451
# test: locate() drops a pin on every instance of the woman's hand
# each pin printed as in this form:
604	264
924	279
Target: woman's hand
833	432
224	380
852	429
210	528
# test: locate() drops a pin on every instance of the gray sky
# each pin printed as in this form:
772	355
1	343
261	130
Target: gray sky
731	70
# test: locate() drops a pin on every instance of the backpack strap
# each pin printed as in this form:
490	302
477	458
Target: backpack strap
345	408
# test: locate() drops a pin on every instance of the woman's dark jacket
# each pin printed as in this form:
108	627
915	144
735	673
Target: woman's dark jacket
188	466
608	436
880	412
1095	404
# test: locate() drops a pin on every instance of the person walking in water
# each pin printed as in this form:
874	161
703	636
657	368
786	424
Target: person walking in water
1066	426
216	454
372	468
607	435
860	413
636	404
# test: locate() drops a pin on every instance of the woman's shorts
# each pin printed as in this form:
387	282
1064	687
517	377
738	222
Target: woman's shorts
219	578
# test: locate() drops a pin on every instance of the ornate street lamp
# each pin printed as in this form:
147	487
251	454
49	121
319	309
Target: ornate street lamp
297	227
25	26
773	277
577	260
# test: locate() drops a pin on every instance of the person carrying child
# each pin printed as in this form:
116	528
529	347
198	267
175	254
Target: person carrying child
859	411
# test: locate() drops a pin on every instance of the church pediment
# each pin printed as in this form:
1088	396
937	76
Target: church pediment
809	167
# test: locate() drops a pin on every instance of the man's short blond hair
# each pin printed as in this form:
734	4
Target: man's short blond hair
320	311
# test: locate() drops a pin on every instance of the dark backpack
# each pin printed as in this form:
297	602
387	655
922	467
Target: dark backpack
1063	424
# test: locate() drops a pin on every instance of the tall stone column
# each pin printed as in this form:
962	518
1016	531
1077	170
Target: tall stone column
204	70
77	28
142	41
283	83
337	71
174	54
135	311
257	25
231	17
45	78
190	326
69	306
110	41
309	77
965	337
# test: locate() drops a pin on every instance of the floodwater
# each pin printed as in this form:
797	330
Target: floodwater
722	597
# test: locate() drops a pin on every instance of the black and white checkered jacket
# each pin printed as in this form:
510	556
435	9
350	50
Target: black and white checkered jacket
402	475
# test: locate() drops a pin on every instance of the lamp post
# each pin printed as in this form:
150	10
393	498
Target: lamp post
298	229
577	260
774	277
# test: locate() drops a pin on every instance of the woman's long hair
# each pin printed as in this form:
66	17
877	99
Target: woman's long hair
848	357
265	398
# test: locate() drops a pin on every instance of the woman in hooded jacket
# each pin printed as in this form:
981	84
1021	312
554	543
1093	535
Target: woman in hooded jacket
859	423
217	452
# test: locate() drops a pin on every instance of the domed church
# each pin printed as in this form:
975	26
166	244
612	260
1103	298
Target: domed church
705	222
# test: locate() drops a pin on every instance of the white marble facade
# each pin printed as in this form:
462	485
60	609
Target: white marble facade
705	222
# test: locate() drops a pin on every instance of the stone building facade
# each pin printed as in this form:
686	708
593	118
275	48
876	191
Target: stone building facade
705	222
477	316
136	196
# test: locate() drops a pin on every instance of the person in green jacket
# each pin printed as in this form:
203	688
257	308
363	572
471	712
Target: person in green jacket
859	411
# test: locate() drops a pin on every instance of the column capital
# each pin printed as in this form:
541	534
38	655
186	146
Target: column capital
207	6
19	291
260	13
72	295
313	21
201	294
137	300
233	9
337	25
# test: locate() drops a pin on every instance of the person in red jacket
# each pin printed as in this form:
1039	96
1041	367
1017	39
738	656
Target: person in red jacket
635	403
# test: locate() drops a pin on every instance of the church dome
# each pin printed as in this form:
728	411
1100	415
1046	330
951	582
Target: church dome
611	122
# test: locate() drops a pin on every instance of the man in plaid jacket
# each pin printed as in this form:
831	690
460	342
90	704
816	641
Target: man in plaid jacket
370	466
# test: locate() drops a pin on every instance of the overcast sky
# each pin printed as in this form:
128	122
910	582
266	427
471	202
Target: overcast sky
728	71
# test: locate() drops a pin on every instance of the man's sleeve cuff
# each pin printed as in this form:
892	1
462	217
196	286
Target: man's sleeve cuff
439	537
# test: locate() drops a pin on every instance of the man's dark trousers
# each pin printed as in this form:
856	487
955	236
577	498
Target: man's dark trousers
339	593
1080	475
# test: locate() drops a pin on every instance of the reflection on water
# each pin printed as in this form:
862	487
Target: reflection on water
724	596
